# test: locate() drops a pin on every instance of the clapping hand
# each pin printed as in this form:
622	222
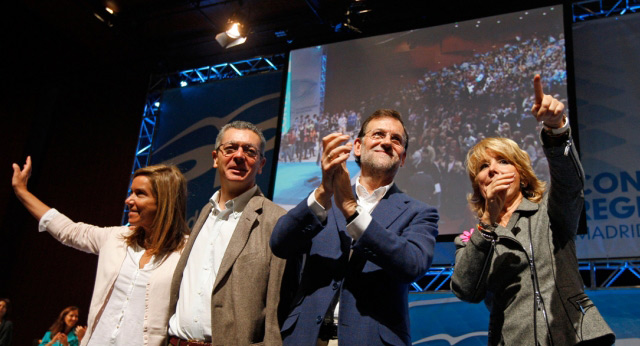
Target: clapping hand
80	331
335	153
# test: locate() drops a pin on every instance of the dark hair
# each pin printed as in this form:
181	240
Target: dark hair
169	227
7	303
59	326
242	125
383	113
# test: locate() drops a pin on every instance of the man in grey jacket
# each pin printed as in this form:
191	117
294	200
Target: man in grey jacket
226	287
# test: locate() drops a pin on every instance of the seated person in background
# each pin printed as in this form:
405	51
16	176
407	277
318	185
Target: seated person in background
130	301
6	327
64	330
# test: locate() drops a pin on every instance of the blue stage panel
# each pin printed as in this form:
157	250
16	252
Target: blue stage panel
442	319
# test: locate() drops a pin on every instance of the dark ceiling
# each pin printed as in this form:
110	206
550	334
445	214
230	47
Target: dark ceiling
167	35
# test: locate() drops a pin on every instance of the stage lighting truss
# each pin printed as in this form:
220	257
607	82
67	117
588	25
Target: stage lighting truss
145	139
592	9
600	274
231	70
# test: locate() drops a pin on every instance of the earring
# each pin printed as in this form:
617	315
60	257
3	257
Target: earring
523	186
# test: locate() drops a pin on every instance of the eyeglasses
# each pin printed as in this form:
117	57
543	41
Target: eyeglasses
231	148
379	134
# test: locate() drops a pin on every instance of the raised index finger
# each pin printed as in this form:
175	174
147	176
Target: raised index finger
537	87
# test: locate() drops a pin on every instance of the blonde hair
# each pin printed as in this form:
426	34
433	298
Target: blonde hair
531	187
169	227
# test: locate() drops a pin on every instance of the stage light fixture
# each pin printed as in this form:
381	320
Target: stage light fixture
235	35
157	104
183	83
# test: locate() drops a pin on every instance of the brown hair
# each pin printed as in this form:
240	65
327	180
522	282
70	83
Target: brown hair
531	187
383	113
7	304
169	227
59	326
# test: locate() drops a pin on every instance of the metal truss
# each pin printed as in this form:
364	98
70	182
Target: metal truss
226	70
611	273
592	9
599	274
437	278
185	78
323	81
145	140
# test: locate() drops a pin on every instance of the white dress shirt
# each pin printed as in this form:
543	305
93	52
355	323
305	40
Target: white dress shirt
366	201
192	320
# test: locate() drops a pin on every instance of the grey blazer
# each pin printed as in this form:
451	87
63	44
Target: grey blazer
246	293
536	248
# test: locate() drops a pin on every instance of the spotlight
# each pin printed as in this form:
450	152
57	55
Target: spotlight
157	104
183	83
235	35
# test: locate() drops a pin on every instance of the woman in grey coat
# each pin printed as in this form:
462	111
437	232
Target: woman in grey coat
522	260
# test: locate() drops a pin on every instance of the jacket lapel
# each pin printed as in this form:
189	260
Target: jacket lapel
390	207
240	236
525	209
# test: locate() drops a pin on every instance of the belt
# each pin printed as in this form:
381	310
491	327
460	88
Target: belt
175	341
328	331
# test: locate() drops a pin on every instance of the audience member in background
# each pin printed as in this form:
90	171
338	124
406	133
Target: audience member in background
6	327
522	260
130	300
64	330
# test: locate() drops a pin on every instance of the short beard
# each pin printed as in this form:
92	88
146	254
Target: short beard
379	170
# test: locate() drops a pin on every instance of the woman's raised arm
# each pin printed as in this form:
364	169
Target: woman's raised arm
19	182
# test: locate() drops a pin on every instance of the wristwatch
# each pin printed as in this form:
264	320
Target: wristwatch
354	215
550	131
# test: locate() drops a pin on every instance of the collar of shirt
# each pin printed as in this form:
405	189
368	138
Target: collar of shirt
233	207
367	200
135	252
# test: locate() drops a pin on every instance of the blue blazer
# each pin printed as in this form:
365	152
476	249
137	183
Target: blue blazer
395	250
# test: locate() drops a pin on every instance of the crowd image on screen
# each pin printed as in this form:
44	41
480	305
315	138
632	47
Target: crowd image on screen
446	112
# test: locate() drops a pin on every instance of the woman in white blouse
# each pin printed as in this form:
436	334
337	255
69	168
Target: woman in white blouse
130	299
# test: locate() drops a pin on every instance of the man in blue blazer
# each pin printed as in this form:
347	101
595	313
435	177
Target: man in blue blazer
358	247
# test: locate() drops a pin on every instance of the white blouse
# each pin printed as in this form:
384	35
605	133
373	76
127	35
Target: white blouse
121	322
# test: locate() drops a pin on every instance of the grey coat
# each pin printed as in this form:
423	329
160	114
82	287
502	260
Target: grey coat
536	248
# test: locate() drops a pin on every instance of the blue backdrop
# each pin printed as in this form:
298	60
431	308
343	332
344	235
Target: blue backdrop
189	121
